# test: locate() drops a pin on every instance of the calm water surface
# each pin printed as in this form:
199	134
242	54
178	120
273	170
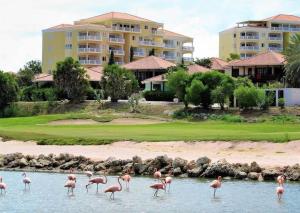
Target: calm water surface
47	194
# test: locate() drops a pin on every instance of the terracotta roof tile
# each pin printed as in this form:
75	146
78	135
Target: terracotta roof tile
168	33
283	17
195	68
158	78
61	26
263	59
43	77
218	64
149	63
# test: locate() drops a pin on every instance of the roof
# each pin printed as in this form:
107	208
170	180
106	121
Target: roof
94	73
168	33
218	64
60	26
149	63
195	68
263	59
115	15
158	78
283	17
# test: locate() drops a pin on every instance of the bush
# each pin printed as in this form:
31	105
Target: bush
32	93
195	91
249	97
91	94
281	103
159	96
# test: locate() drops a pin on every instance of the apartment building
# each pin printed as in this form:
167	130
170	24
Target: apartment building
251	37
92	40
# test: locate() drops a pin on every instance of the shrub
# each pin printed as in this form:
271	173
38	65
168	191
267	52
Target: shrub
249	97
133	101
195	91
32	93
159	96
90	94
281	103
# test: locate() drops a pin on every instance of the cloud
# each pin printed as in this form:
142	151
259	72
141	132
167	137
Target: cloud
22	21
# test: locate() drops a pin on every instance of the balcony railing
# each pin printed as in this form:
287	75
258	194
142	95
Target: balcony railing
117	40
278	49
289	29
118	52
89	38
252	37
139	54
126	29
170	46
157	32
274	38
151	43
249	47
170	57
188	59
186	48
90	62
119	62
89	49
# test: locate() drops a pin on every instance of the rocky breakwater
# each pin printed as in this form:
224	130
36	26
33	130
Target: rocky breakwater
202	167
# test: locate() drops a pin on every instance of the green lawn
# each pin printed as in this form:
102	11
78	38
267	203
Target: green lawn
36	128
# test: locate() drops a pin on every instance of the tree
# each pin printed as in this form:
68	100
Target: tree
71	79
233	56
27	73
195	92
205	62
243	81
178	80
292	56
134	101
8	90
152	52
223	92
118	82
111	58
131	54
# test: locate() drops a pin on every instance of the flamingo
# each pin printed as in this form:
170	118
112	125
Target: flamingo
157	174
97	180
89	174
71	176
2	186
159	186
26	180
216	184
279	192
280	180
168	180
126	178
70	184
114	188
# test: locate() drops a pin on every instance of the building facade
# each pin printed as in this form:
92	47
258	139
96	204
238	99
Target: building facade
92	40
249	38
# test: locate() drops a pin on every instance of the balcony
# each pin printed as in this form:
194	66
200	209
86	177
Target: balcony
119	62
89	38
287	29
255	48
89	50
187	48
126	29
170	46
117	40
151	43
170	57
139	54
277	49
248	37
90	62
188	59
275	38
118	52
158	32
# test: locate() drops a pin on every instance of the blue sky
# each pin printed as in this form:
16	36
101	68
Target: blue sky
21	21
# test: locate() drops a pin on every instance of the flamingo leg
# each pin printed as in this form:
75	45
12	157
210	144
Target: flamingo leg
215	192
97	187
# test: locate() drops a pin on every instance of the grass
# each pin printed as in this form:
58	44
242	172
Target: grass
36	128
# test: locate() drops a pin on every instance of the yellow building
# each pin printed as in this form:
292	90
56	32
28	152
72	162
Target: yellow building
249	38
92	39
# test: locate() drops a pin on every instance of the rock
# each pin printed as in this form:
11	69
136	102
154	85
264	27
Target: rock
294	176
253	175
99	167
240	175
137	159
162	161
185	175
254	167
23	163
115	170
139	168
202	161
220	168
1	161
177	171
128	167
44	162
270	174
89	167
69	165
196	172
179	162
13	164
191	165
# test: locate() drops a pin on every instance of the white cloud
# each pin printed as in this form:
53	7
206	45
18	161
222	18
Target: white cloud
22	21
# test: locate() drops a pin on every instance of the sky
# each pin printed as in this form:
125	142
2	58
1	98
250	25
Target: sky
22	21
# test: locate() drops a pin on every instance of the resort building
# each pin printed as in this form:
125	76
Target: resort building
129	37
252	37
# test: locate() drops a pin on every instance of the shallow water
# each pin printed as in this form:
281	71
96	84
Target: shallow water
47	194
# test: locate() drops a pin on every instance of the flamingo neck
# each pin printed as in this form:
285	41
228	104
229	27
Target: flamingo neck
105	179
120	188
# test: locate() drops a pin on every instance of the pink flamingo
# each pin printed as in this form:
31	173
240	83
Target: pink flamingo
70	184
159	186
157	174
168	179
126	178
26	180
216	184
113	189
89	174
2	186
97	180
279	192
71	176
280	180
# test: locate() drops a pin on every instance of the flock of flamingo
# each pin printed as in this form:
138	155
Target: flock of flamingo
162	183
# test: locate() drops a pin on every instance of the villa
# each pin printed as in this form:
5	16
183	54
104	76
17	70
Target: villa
129	37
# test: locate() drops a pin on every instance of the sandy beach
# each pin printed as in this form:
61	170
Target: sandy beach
264	153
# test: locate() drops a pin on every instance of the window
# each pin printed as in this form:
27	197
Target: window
146	27
250	71
133	38
103	58
68	46
178	43
234	35
69	35
262	45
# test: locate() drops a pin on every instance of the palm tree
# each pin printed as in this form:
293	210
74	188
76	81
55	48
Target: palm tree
292	56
